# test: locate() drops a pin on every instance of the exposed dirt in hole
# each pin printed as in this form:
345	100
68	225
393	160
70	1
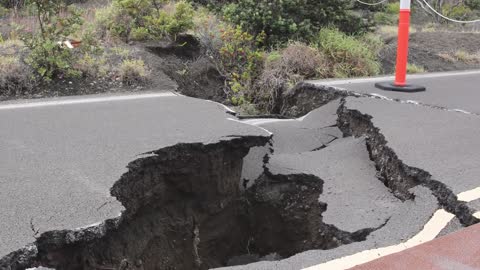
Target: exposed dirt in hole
185	210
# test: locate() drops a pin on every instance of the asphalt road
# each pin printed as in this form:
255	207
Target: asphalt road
59	158
452	90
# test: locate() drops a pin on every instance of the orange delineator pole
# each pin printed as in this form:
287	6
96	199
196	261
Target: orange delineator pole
402	49
400	83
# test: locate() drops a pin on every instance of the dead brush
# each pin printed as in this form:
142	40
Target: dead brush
283	70
15	77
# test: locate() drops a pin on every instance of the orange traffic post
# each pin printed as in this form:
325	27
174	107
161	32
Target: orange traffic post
400	83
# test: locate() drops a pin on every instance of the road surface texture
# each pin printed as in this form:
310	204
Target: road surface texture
160	181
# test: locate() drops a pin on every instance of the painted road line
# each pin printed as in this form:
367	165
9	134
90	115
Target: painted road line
432	228
59	102
470	195
245	123
376	79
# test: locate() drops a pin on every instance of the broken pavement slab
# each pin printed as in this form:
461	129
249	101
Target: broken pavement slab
311	132
61	157
445	144
355	198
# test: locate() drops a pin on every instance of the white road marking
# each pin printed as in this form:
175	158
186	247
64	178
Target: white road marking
470	195
236	120
257	122
388	78
35	104
432	228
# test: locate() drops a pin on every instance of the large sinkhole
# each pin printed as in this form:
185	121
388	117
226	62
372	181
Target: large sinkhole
185	210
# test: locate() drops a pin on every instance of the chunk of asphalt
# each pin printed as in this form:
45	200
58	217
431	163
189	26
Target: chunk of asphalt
404	223
430	139
355	198
59	162
309	133
427	154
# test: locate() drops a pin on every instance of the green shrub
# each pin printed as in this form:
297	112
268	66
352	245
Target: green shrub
140	33
133	71
458	12
4	11
144	19
383	18
92	66
473	4
392	9
283	20
208	30
48	58
240	62
170	23
374	42
348	56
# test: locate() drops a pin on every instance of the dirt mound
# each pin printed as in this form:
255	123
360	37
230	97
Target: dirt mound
431	50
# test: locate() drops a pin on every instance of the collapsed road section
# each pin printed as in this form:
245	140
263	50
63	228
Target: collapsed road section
218	192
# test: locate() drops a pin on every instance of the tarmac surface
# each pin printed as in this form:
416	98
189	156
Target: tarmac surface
452	90
61	157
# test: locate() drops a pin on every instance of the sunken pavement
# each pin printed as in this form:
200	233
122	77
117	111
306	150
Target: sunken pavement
172	182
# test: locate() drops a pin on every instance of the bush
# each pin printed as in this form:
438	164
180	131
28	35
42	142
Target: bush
283	20
240	62
4	11
92	66
392	9
383	18
15	77
47	57
208	30
458	12
348	56
283	70
133	72
144	19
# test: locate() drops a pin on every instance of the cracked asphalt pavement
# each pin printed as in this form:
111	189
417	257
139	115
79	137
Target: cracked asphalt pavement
389	164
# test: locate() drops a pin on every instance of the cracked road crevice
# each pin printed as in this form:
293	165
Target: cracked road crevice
184	202
396	175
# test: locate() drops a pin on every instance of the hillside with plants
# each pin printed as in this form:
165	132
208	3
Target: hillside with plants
243	53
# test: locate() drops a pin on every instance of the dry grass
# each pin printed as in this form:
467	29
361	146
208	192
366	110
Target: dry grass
412	69
448	57
15	77
133	71
467	57
389	31
461	56
284	69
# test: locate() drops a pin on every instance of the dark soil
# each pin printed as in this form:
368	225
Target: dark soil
185	62
425	47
